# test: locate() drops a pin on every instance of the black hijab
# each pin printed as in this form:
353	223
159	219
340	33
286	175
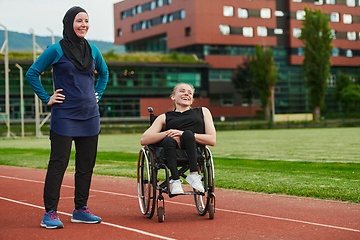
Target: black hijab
76	49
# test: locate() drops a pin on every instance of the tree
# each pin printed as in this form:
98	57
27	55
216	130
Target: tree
342	81
350	96
242	80
265	76
347	92
317	37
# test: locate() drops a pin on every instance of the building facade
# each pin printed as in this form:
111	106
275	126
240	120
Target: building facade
130	85
223	32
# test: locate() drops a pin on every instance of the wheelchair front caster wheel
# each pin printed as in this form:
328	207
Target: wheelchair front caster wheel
161	214
211	211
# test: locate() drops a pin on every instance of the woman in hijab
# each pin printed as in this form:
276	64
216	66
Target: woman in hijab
74	113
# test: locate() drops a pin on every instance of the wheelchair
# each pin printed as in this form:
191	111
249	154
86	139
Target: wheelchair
151	160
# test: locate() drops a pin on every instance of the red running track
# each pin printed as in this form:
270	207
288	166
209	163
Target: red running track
239	215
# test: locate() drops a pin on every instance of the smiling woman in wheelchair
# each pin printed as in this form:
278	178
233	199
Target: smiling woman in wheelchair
184	128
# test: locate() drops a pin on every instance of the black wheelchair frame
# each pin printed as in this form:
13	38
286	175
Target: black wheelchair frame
151	159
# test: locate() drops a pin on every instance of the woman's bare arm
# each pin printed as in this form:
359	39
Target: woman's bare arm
209	138
153	134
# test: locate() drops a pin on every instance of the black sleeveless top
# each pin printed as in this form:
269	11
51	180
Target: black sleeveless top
192	119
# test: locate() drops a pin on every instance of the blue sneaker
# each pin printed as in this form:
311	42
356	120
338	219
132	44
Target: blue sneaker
51	220
84	216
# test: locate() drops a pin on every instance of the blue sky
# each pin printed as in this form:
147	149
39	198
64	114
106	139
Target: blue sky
21	15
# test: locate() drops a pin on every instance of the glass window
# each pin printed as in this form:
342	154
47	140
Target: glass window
262	31
143	25
278	31
300	15
300	51
153	5
182	14
227	100
335	52
296	32
119	32
156	21
171	18
334	17
331	81
224	29
145	7
296	0
347	18
279	13
123	15
148	24
350	3
319	2
139	9
164	19
265	13
351	36
248	32
333	34
159	3
133	11
228	11
349	53
243	13
187	31
330	1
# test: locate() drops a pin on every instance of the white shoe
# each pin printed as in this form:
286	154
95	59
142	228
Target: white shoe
176	187
195	181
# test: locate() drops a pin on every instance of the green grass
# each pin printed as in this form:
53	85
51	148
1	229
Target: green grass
318	163
125	57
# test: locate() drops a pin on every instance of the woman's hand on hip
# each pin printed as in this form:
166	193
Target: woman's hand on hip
57	97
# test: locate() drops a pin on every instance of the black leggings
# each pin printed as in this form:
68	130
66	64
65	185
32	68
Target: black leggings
86	148
188	143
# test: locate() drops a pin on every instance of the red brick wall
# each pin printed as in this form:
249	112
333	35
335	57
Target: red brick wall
162	105
236	111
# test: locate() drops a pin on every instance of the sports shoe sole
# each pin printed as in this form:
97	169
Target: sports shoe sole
83	221
50	227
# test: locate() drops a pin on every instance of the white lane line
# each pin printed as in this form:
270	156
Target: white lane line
290	220
217	209
42	182
105	223
277	218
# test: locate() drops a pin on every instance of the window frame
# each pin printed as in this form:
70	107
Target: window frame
241	12
226	11
248	31
261	31
265	13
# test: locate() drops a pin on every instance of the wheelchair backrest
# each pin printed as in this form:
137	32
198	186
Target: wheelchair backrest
152	116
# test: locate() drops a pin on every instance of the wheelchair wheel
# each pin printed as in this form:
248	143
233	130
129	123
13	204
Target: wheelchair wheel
211	211
161	214
146	182
206	202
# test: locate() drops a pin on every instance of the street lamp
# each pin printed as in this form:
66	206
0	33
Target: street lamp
37	111
21	99
5	47
52	36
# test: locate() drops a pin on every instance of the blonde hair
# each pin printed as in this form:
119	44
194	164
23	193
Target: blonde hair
176	86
